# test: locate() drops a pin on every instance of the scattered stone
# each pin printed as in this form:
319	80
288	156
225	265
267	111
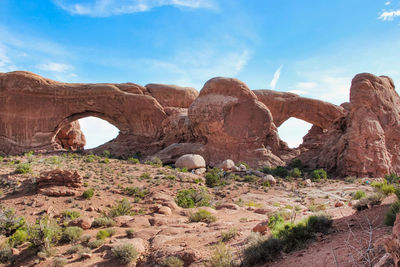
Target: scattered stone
84	223
269	178
230	206
339	204
190	161
242	168
59	183
165	210
262	227
200	171
308	182
227	165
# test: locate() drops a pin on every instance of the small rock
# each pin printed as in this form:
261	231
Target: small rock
84	223
227	165
86	256
262	227
164	210
229	206
242	168
200	171
91	208
269	178
339	204
262	211
308	182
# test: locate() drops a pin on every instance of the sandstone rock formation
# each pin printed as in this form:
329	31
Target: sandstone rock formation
71	137
59	183
226	120
235	125
364	142
190	162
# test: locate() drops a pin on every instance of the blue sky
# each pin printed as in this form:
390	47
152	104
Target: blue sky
312	47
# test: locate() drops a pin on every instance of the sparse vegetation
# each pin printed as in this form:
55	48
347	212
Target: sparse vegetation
390	215
44	234
71	234
202	216
214	177
9	221
122	207
190	198
125	253
103	222
23	168
359	195
318	175
88	194
228	235
172	261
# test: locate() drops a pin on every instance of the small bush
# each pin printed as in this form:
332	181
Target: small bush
280	171
133	160
74	249
18	238
154	161
359	195
23	168
106	154
296	173
71	234
390	216
145	176
172	261
6	254
202	216
296	164
190	198
222	256
96	243
44	233
122	207
102	234
214	177
137	192
392	178
9	221
88	194
125	253
103	222
130	233
317	175
68	215
59	262
111	231
228	235
263	251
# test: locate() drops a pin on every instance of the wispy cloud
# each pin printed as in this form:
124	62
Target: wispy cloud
105	8
5	63
275	79
388	3
55	67
389	15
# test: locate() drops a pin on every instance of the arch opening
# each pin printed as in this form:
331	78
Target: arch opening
293	130
97	131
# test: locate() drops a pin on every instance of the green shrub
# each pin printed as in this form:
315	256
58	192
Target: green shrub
125	253
287	237
390	216
137	192
59	262
317	175
296	164
44	233
90	158
18	238
359	195
23	168
275	221
133	160
103	222
154	161
222	256
106	154
280	171
250	178
214	177
202	216
102	234
96	243
111	231
71	234
392	178
145	176
68	215
384	187
1	159
228	235
130	233
9	221
172	261
88	194
296	173
74	249
397	192
6	254
122	207
189	198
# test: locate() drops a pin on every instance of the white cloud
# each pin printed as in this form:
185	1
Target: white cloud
306	85
194	67
105	8
388	3
54	67
6	64
298	92
389	15
275	79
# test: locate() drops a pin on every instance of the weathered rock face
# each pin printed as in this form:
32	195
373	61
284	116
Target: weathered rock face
226	120
365	142
286	105
234	124
59	183
71	137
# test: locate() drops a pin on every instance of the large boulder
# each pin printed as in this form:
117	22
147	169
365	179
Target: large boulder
234	124
59	182
71	137
190	162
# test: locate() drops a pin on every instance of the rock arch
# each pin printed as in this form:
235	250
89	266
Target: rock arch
286	105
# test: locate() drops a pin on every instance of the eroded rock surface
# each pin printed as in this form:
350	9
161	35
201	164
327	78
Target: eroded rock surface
71	137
